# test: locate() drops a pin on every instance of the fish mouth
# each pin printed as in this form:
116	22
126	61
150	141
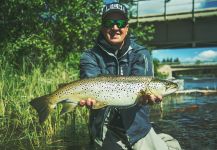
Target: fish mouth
171	88
170	91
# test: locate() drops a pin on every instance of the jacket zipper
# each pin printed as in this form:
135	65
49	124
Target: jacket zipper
117	59
118	73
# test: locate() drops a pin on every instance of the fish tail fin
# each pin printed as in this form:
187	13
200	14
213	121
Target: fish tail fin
42	106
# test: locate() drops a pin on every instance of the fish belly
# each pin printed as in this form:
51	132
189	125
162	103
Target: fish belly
121	94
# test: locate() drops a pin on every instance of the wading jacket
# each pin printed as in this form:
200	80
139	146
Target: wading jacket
131	124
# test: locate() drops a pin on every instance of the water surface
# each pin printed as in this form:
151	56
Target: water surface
191	118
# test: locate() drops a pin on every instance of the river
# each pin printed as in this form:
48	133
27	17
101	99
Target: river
200	83
191	118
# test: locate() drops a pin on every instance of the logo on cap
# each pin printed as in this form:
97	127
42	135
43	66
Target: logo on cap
115	6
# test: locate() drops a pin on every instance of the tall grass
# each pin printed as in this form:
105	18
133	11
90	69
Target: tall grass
19	127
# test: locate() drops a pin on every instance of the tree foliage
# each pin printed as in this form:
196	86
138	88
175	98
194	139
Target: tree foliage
171	60
45	31
143	33
42	32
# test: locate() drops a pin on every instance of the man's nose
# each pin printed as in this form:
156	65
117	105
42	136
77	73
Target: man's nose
115	27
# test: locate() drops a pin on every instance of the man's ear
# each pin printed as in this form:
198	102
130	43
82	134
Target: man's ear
127	26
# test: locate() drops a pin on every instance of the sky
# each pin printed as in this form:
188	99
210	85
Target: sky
189	55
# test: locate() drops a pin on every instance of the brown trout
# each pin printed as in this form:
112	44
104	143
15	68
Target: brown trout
106	90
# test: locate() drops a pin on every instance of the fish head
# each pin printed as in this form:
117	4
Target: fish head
162	87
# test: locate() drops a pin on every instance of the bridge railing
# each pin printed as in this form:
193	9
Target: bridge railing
146	8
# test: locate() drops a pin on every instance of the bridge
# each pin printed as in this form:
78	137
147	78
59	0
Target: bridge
196	69
189	26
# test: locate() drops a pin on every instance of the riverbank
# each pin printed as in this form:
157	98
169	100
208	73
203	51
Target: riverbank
192	91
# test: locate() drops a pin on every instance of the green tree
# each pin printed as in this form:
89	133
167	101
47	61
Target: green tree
156	67
176	60
197	62
143	33
45	32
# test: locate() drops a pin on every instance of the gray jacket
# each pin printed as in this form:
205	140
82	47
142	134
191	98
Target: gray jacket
132	123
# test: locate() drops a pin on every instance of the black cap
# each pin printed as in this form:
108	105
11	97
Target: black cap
114	7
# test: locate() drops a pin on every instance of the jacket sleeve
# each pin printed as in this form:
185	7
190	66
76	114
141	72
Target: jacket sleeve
142	64
88	65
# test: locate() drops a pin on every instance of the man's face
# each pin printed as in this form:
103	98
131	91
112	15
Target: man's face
115	35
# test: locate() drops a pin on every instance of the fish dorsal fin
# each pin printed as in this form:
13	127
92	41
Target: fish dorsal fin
99	105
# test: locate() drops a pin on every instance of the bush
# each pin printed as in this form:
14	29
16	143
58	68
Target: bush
45	32
29	51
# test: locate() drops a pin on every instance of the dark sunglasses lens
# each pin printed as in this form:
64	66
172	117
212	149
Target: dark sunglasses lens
111	23
108	23
121	23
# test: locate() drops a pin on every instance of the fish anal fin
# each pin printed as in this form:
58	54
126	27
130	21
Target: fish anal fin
99	105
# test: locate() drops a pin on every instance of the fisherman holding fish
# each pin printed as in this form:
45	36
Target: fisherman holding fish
116	128
117	84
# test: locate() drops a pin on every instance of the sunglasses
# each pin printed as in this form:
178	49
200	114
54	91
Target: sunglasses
109	23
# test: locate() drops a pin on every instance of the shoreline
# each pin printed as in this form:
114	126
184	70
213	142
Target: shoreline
193	91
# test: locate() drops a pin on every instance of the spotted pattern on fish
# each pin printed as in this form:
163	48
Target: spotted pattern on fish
106	90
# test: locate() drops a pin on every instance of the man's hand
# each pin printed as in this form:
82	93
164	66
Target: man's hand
88	102
150	99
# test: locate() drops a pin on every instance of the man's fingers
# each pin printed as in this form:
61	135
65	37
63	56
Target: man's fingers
89	102
151	99
82	102
158	99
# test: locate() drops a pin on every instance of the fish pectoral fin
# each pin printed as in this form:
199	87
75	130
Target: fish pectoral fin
67	107
99	105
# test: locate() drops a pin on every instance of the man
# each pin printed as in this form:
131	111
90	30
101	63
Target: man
114	128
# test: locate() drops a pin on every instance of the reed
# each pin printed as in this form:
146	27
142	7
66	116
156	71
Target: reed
19	127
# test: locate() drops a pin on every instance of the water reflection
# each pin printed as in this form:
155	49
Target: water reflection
189	118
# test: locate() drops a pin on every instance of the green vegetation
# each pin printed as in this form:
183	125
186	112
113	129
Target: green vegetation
198	62
157	65
40	46
19	123
44	32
